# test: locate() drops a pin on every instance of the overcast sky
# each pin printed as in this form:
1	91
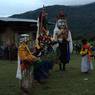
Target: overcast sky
10	7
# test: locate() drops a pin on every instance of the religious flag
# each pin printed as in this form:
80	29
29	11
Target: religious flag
43	23
37	35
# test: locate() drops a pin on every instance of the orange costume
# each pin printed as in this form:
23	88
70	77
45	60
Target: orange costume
26	57
25	61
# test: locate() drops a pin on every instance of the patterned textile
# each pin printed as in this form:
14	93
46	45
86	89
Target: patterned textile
86	64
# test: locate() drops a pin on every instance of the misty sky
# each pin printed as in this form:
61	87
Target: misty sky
10	7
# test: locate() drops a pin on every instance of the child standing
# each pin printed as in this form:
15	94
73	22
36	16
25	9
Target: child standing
86	64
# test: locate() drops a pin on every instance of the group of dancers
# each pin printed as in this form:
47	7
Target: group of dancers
31	66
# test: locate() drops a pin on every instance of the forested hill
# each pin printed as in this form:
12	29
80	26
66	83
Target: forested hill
81	19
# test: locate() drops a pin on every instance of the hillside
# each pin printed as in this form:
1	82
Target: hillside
81	19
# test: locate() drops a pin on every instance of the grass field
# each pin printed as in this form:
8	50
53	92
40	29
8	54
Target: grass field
72	82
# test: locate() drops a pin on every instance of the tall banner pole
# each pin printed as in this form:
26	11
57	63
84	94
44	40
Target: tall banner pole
37	35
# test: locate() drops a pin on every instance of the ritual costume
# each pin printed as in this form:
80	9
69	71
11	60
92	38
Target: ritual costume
62	23
64	41
41	70
42	67
86	53
25	61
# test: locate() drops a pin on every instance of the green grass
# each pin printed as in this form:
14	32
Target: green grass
72	82
8	82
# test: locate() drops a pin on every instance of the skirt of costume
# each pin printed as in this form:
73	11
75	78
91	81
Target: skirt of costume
41	70
85	64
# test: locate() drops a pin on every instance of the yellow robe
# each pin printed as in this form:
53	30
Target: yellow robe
25	55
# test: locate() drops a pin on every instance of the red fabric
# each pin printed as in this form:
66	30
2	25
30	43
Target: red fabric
87	46
24	66
42	18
